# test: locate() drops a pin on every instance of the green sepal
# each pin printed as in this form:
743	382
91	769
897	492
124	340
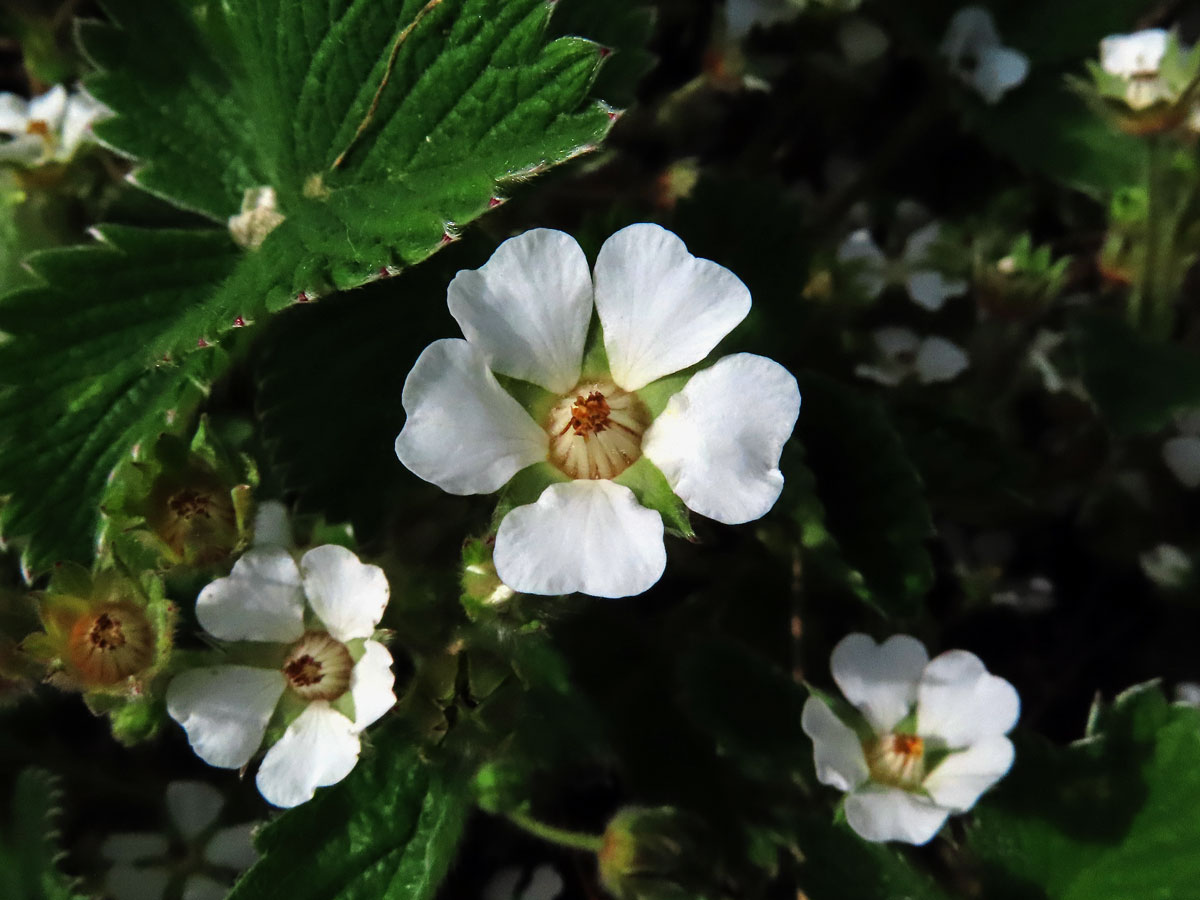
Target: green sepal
525	487
534	399
595	357
650	487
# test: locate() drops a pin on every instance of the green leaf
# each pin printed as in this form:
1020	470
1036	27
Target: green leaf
29	843
1138	384
388	832
83	378
382	125
860	504
1110	817
748	706
838	864
1046	128
626	27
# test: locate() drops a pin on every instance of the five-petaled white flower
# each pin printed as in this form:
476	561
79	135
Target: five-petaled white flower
871	270
325	674
1137	58
928	739
903	354
48	128
194	860
977	58
526	315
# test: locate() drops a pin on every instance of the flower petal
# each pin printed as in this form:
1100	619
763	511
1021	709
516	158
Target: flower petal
82	111
1182	457
719	439
233	847
125	882
588	536
371	682
959	701
134	847
260	600
939	360
193	806
528	308
49	108
879	679
961	777
348	595
880	813
271	526
318	749
868	264
1000	69
837	752
464	432
201	887
1139	53
971	31
14	114
662	309
225	710
930	290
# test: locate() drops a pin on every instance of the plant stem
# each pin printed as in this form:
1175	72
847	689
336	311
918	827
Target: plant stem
576	840
1152	303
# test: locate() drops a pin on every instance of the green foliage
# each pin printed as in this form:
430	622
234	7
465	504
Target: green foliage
719	677
381	126
1138	384
83	377
650	487
857	499
388	832
1112	816
29	851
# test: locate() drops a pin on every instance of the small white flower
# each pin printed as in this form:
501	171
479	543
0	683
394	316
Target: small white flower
515	883
872	271
199	858
48	128
328	670
741	16
903	354
1167	566
526	314
260	216
977	58
930	738
1137	59
1181	454
1187	693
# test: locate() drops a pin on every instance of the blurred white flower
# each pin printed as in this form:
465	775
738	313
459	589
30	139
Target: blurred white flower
1187	693
928	739
48	128
331	677
903	354
871	270
1181	454
515	883
526	315
861	40
1033	596
1137	58
977	58
742	16
203	861
1167	566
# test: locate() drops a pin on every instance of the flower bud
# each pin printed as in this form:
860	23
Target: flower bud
651	853
100	633
1146	82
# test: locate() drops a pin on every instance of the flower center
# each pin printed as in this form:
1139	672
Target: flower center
110	645
596	430
38	127
897	759
318	667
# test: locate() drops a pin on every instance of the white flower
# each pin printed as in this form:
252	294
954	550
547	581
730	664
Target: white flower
1137	58
1167	566
260	216
930	738
976	57
741	16
526	315
328	676
872	271
1181	454
1187	693
48	128
904	354
514	883
205	858
861	40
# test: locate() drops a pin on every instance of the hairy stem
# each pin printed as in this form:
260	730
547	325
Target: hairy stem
576	840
